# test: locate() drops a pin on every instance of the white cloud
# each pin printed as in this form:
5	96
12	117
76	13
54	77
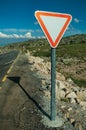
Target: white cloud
15	30
15	36
27	35
76	20
2	35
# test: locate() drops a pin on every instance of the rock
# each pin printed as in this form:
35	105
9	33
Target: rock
48	81
43	82
62	94
70	81
48	87
76	89
81	95
67	115
48	66
83	104
42	88
72	100
38	60
63	107
67	61
78	100
47	93
79	126
60	84
68	85
70	109
59	76
72	95
46	84
72	120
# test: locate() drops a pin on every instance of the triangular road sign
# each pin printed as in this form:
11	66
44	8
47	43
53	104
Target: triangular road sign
53	25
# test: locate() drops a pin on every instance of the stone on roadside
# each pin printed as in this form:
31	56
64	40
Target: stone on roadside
83	104
72	95
60	84
70	81
43	82
72	100
59	76
82	95
47	93
72	120
62	94
70	109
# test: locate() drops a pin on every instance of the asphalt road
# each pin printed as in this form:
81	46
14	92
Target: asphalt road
6	60
20	99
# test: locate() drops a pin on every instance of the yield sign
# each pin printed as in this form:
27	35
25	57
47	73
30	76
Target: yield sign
53	25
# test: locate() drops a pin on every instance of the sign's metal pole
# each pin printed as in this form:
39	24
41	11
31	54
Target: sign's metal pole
53	82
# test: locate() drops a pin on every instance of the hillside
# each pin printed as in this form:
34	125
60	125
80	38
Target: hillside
71	55
79	38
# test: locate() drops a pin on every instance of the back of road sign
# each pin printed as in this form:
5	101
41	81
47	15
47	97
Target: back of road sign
53	25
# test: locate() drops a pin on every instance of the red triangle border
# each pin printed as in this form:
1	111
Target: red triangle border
38	15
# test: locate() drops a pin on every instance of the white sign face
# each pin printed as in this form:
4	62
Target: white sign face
53	25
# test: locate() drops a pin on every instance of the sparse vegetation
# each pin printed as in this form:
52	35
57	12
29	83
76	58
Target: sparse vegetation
79	82
64	100
71	55
72	50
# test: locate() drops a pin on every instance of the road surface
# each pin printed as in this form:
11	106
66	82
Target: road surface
6	60
20	99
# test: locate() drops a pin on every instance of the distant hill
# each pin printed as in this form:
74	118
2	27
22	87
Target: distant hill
74	39
70	54
79	38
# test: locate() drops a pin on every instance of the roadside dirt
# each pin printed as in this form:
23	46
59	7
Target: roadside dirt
73	68
21	106
76	70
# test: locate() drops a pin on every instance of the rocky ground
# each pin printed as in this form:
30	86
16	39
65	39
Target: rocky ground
74	67
71	99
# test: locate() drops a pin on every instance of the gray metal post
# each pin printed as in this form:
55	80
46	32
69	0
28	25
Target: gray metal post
53	82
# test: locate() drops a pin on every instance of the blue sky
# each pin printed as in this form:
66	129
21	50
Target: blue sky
17	18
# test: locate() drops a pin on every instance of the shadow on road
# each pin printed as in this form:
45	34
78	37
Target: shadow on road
17	81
